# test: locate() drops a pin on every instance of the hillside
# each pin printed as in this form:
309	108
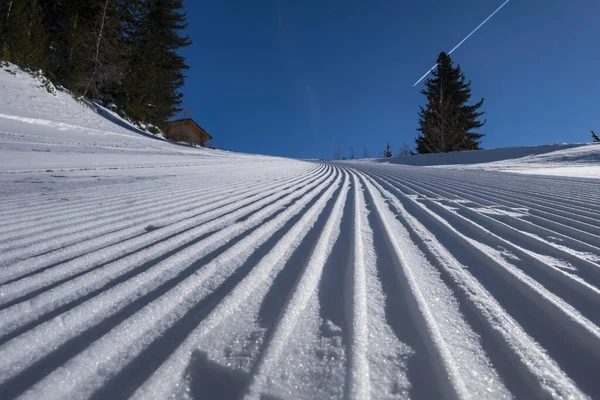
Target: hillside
577	160
131	267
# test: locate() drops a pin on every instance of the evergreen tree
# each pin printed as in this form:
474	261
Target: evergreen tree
105	56
387	153
595	137
447	123
156	70
88	51
22	33
125	51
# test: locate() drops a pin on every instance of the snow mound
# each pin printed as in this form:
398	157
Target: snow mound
579	160
43	127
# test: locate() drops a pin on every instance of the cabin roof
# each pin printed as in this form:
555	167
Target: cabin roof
185	121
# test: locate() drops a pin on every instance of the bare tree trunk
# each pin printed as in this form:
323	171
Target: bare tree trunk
96	60
30	18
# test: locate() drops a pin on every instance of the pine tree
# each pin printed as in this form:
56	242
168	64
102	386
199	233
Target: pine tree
66	28
595	137
107	58
446	123
387	153
125	51
89	52
22	33
156	71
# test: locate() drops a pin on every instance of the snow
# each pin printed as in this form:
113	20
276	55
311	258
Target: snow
576	160
132	267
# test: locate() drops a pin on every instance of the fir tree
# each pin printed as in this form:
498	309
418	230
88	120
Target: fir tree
156	71
88	51
125	51
447	123
106	55
387	153
22	34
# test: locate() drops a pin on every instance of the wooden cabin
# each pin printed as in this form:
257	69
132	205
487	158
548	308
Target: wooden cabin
186	130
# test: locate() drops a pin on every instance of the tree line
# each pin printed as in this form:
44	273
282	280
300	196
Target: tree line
119	51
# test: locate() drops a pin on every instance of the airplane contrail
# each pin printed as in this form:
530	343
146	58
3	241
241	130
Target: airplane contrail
462	41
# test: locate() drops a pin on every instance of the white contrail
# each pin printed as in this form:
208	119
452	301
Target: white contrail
462	41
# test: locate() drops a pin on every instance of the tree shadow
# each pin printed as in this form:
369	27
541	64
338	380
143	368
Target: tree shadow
103	112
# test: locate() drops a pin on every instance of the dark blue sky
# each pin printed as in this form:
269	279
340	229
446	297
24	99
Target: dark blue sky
297	78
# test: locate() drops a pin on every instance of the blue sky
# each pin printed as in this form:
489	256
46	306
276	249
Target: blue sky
298	78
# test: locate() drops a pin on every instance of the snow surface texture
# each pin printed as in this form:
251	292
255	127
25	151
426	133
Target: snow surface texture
131	267
577	160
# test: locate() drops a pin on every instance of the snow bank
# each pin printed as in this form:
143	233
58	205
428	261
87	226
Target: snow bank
582	160
46	128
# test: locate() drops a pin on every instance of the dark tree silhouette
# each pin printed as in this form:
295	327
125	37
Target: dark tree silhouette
447	122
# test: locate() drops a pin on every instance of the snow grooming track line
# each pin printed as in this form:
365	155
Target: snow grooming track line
16	317
112	199
567	210
118	196
523	226
110	196
458	363
535	252
572	288
304	291
168	226
535	368
163	383
547	222
579	205
114	212
377	365
115	197
585	335
359	385
539	210
85	369
101	223
445	372
89	314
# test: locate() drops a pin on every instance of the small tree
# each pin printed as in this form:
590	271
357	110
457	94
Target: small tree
365	152
387	153
337	154
405	150
447	123
352	155
595	137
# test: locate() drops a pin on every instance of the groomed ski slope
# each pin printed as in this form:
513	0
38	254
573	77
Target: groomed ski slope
291	279
131	267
